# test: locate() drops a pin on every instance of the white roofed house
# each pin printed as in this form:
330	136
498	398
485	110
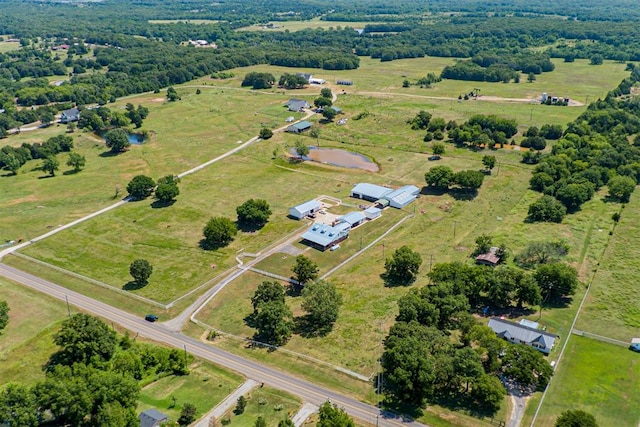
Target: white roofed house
323	236
522	334
297	104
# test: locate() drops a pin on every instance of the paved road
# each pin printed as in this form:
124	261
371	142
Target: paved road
307	391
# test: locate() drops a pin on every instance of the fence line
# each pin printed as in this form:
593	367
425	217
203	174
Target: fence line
90	280
599	338
284	350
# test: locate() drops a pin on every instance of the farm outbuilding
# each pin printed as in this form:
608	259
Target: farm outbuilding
305	209
299	127
370	192
372	212
402	196
323	236
353	219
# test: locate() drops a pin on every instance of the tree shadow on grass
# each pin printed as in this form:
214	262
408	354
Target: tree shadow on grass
463	195
159	204
403	411
432	191
46	176
109	153
307	328
209	246
394	282
70	172
247	227
7	174
133	286
461	402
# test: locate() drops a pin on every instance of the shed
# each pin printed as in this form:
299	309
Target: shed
353	218
304	209
370	192
635	344
338	110
372	212
520	334
151	418
402	196
299	127
315	81
297	104
490	258
323	236
306	76
72	115
345	82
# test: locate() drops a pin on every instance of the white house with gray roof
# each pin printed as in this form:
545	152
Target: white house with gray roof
521	334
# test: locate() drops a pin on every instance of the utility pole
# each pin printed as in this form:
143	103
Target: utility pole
68	308
430	262
454	229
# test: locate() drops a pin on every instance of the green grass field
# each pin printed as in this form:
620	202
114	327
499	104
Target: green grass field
27	341
612	308
303	25
598	378
9	46
205	387
272	405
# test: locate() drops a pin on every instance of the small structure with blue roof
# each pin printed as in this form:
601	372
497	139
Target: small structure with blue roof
370	192
402	196
299	127
353	219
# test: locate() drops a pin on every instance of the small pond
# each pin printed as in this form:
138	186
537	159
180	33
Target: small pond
343	158
134	138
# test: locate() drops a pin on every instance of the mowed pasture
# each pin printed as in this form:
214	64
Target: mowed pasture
596	377
184	134
27	341
612	308
304	25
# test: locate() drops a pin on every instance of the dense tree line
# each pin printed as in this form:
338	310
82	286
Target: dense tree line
94	378
593	151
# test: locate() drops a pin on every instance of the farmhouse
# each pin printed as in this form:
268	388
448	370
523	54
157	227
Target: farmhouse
402	196
68	116
151	418
521	334
304	209
323	236
307	76
370	192
299	127
297	104
490	258
352	218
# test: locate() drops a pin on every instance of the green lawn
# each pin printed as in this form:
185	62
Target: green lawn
9	46
270	404
596	377
27	341
205	387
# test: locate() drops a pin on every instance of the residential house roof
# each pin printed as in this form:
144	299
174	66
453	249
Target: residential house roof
514	331
352	218
371	190
490	257
151	418
72	113
297	104
324	235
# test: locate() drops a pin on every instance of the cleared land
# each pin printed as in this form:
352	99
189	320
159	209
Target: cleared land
205	387
303	25
27	341
596	377
612	308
